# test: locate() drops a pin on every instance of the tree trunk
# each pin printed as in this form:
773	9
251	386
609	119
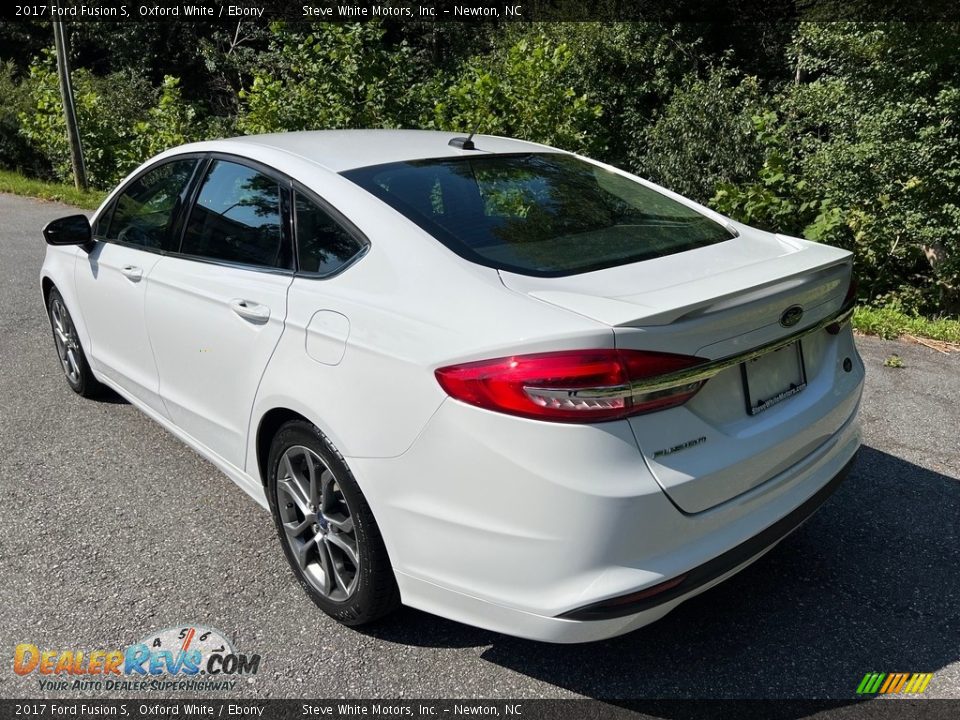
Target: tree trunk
937	255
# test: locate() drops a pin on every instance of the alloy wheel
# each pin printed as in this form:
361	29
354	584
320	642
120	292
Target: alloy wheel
317	523
65	336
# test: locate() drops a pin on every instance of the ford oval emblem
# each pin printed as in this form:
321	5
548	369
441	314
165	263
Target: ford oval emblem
791	316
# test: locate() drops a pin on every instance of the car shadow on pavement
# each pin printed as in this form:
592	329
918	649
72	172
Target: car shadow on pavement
111	397
871	583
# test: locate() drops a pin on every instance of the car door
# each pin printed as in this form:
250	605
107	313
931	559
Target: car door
216	309
131	234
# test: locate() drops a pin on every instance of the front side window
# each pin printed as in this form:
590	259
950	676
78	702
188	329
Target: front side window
237	218
323	245
542	214
145	212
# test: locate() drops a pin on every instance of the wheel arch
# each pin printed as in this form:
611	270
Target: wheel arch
46	285
267	428
62	285
58	272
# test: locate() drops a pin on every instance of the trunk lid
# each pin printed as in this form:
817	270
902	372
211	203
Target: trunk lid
716	302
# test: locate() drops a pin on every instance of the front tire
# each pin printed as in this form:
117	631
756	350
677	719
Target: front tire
326	528
76	369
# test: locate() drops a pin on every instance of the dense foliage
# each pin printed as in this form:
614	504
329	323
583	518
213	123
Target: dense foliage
862	150
847	133
333	76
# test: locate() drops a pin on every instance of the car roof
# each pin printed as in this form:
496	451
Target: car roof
340	150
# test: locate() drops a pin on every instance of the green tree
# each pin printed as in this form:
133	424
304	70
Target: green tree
106	108
168	123
333	76
705	135
865	154
16	150
521	90
123	120
631	69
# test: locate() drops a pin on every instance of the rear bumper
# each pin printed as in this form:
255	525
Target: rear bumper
520	527
723	565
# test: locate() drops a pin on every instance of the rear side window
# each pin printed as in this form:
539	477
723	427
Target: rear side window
237	218
145	212
323	245
542	214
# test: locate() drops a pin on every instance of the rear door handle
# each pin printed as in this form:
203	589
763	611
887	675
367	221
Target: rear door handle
249	310
132	273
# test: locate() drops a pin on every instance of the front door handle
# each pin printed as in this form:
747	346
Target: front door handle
249	310
132	273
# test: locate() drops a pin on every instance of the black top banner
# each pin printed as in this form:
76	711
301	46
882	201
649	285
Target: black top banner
714	11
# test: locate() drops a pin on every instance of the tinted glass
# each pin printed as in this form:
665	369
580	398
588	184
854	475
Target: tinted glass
323	246
541	214
237	218
144	214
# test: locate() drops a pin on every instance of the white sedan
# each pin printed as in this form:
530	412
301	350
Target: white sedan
486	378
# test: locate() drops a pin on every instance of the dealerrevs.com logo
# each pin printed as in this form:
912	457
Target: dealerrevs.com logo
188	657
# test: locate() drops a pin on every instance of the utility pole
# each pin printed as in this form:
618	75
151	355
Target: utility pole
69	112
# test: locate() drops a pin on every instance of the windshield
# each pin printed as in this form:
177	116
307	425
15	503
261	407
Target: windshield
542	214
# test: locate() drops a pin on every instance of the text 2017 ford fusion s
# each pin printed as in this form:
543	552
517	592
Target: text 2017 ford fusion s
483	377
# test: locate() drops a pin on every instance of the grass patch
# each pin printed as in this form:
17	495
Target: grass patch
13	182
893	361
890	323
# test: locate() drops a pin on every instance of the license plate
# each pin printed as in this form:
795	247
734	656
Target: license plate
772	378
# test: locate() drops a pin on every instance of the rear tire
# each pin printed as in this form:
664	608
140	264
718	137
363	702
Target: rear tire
326	528
73	361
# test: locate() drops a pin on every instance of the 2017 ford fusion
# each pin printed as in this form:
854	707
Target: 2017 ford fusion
483	377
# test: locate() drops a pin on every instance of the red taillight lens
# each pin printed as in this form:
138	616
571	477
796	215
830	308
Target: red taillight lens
573	386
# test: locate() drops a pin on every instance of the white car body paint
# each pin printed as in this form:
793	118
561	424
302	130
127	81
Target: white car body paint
209	357
110	283
327	336
499	521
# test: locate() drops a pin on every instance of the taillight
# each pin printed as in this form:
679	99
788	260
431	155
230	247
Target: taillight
580	386
851	297
849	300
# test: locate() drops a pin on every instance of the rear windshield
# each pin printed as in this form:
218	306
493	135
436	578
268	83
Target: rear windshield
542	214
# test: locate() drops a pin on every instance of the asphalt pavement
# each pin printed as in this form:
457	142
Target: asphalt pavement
112	529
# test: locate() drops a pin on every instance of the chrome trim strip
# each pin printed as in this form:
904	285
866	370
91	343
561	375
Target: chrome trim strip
697	373
711	368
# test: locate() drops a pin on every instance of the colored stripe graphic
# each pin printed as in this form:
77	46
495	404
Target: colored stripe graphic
915	683
870	683
891	678
893	683
901	680
876	682
912	683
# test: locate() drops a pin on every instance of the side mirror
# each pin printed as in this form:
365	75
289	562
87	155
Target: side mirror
70	230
